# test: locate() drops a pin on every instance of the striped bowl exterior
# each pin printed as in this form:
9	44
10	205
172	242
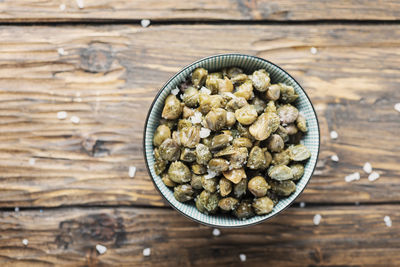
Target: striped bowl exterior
248	63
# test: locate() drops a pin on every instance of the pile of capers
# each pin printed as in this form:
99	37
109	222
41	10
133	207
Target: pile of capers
231	142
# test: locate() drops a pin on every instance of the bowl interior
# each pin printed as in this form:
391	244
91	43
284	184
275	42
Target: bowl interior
248	64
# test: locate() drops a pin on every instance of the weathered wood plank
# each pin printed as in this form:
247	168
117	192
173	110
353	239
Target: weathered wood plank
346	236
205	10
109	75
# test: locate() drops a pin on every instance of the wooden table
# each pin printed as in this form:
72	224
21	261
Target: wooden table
92	59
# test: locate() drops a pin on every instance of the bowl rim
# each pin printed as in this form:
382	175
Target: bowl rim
145	133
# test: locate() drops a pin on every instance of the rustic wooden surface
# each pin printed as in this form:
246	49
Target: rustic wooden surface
108	73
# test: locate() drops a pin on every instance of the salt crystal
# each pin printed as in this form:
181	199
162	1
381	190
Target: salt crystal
101	249
32	161
216	232
62	115
16	209
204	132
41	211
25	242
334	135
367	167
387	221
196	118
78	99
230	138
175	91
62	7
302	204
61	51
80	3
210	174
373	176
313	50
132	171
317	219
242	257
205	90
75	119
146	252
352	177
397	107
357	203
335	158
145	23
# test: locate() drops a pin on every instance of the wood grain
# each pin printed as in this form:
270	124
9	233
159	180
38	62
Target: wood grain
108	76
346	236
204	10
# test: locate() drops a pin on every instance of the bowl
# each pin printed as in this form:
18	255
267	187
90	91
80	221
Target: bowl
248	63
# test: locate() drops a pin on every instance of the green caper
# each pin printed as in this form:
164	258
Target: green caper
230	119
203	154
271	108
171	124
263	205
220	141
229	150
209	184
240	78
258	104
244	131
265	124
301	123
260	79
228	204
283	188
275	143
274	92
287	94
245	90
242	142
191	97
199	77
208	202
283	133
196	182
179	172
188	155
238	158
225	187
280	172
235	103
182	124
162	133
212	81
172	108
235	175
183	192
288	113
281	158
208	102
160	166
256	159
268	157
246	115
199	169
187	112
232	72
297	170
168	182
299	152
216	119
189	136
218	165
224	85
244	210
258	186
239	189
169	150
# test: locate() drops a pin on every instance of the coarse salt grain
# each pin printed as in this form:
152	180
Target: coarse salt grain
32	161
80	3
204	132
242	257
146	252
352	177
145	23
75	119
101	249
196	118
387	221
397	107
317	219
373	176
313	50
25	242
175	91
61	51
62	115
62	7
367	167
302	204
335	158
334	135
210	174
132	171
205	90
77	99
16	209
216	232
